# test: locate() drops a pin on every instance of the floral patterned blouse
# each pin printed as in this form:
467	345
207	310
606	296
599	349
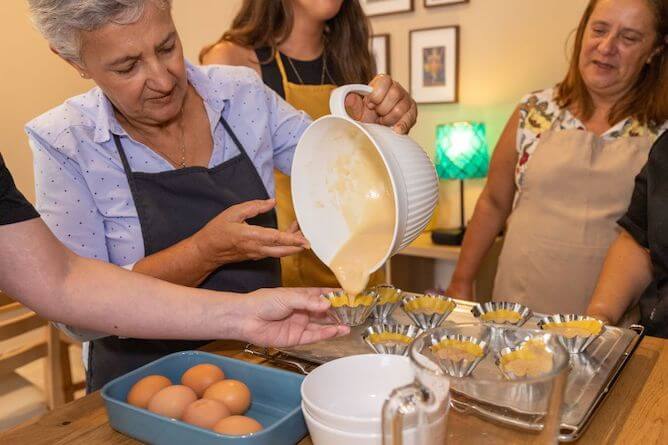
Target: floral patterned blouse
539	112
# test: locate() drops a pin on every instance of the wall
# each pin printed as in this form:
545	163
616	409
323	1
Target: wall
508	47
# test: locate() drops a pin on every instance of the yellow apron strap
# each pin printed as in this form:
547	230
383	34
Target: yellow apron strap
281	69
303	269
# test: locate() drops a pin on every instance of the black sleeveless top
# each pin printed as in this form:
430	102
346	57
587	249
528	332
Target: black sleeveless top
310	71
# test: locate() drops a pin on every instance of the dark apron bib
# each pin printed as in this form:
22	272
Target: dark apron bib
172	206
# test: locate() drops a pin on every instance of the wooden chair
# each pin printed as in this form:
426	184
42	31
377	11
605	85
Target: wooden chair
58	377
30	338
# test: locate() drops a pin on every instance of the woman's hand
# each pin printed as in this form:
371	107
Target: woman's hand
227	238
285	317
388	104
462	290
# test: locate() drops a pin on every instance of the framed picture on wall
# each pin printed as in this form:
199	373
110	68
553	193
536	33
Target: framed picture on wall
380	50
434	64
384	7
432	3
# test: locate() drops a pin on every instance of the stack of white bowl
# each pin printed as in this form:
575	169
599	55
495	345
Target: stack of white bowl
343	400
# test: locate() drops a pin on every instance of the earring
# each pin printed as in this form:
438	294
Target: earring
83	75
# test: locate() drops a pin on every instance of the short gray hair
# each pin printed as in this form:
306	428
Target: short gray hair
61	21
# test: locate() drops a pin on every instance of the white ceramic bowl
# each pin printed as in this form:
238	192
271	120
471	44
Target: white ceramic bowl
413	177
348	393
322	434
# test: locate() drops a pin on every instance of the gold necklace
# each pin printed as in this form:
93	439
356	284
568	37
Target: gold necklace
182	146
322	74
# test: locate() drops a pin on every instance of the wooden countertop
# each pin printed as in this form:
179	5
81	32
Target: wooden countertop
635	411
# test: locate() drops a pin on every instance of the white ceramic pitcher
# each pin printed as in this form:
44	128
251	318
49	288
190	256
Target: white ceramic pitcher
413	177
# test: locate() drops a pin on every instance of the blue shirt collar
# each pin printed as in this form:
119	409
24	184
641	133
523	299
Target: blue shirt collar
214	98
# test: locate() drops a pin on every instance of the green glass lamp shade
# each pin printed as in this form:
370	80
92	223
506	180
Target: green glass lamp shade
461	151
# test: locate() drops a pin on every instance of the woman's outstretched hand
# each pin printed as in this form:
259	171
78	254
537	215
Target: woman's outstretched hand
284	317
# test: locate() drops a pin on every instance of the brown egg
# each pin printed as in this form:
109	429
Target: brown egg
142	391
237	426
172	401
233	393
200	377
205	413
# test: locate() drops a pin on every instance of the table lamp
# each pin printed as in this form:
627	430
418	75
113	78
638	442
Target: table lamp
461	153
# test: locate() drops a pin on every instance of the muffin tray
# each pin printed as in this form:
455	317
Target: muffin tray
592	373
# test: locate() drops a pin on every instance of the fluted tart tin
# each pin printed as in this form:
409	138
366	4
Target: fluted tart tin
389	298
575	332
458	354
429	310
392	338
532	358
501	312
351	310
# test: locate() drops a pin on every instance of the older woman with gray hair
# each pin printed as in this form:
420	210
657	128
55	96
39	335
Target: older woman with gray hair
165	168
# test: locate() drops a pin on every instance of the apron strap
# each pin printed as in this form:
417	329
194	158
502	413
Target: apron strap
146	235
124	158
281	69
236	141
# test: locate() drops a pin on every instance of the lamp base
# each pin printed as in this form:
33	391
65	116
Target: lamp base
448	237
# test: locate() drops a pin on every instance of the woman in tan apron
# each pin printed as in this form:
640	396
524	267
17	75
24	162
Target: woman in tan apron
305	82
565	217
562	173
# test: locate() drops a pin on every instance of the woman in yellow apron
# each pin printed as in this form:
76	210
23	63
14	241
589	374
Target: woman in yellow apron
302	54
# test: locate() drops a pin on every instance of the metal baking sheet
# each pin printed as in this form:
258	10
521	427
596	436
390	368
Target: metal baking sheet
590	378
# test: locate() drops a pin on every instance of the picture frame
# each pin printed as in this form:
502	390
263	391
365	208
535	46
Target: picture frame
379	45
434	64
437	3
375	8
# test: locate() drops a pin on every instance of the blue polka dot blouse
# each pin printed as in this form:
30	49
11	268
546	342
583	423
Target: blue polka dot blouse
81	189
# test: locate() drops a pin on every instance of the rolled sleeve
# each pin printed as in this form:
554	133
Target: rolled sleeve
635	219
287	124
65	202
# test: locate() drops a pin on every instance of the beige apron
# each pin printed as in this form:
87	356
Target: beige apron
576	186
304	269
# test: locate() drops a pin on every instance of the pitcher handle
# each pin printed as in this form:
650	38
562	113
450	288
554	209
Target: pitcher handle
402	401
337	100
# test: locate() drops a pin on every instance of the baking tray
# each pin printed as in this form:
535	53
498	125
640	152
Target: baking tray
276	403
591	377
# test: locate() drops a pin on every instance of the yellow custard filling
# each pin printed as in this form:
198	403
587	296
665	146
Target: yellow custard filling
388	295
501	316
389	337
343	299
575	328
531	360
429	305
457	350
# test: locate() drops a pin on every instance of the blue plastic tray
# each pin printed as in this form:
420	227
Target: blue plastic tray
276	404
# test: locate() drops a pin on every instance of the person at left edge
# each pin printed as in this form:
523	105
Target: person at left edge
165	168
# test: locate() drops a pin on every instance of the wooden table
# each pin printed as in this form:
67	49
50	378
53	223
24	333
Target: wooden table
635	411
